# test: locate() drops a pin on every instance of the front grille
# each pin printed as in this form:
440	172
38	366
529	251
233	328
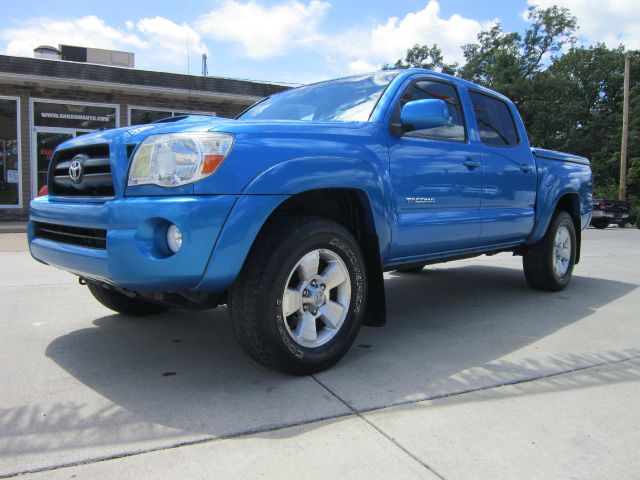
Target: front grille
83	237
94	172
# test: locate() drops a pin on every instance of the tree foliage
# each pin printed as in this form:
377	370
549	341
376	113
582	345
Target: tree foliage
507	61
570	97
423	56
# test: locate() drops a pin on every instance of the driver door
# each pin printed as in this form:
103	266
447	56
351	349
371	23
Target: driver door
437	179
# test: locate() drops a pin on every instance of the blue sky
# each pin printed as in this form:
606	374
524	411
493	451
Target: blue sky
295	41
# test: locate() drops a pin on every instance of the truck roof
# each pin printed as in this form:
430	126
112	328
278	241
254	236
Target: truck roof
406	72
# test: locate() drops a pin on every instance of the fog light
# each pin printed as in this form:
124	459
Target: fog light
174	238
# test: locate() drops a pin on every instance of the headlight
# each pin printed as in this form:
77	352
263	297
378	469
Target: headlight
175	159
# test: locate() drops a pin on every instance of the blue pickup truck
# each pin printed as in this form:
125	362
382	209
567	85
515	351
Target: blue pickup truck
290	213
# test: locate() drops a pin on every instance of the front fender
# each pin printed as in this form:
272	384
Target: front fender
313	173
259	200
235	240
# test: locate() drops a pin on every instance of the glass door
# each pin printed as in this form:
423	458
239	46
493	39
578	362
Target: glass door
45	142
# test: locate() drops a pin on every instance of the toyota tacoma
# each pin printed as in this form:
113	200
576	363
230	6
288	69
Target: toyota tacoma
290	213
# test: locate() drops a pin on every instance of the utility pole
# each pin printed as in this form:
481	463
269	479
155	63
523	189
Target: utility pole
625	127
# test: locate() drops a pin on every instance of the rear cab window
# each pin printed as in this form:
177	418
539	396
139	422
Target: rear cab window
496	125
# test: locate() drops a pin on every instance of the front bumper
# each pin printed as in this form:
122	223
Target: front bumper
134	257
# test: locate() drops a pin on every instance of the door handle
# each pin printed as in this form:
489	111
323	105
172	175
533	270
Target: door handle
471	164
526	168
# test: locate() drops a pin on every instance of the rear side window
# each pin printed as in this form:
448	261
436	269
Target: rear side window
495	121
426	89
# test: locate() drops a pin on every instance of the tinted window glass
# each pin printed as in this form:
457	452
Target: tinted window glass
426	89
495	121
345	100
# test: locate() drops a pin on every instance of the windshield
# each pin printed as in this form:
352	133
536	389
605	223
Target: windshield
346	100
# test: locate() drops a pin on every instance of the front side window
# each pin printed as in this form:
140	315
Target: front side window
495	121
346	100
428	89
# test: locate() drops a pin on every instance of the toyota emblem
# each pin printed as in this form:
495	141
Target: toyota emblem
75	170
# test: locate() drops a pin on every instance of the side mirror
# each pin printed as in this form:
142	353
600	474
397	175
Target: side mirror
422	114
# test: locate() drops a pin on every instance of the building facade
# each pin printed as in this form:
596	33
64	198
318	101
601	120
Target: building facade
45	102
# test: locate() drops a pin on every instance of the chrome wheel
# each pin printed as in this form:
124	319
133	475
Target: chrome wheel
562	251
316	298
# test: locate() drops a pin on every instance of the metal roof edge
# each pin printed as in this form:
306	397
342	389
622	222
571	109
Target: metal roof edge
65	81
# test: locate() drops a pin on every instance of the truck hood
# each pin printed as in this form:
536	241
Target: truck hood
196	123
242	127
563	157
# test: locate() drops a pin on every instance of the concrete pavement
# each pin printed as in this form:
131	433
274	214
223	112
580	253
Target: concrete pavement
475	376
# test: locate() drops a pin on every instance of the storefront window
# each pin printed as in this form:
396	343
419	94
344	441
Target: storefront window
68	115
193	113
9	153
140	116
46	143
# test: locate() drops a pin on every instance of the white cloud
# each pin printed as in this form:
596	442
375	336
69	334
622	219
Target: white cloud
613	22
156	41
388	41
262	31
168	40
425	26
362	66
89	31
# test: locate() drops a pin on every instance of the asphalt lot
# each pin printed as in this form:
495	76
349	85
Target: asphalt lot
475	376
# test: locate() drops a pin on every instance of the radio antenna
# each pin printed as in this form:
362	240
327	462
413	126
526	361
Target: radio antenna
188	58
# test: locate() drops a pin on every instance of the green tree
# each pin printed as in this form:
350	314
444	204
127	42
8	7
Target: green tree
576	106
508	61
423	56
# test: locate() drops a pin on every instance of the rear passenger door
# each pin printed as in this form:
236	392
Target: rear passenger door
509	173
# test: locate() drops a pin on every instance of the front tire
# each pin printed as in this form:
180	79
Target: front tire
548	265
121	303
298	303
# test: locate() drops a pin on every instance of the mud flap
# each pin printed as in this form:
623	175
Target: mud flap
375	314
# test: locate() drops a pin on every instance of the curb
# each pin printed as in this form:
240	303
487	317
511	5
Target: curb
13	227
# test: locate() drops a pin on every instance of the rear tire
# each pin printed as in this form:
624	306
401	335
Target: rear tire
600	224
548	265
281	315
121	303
